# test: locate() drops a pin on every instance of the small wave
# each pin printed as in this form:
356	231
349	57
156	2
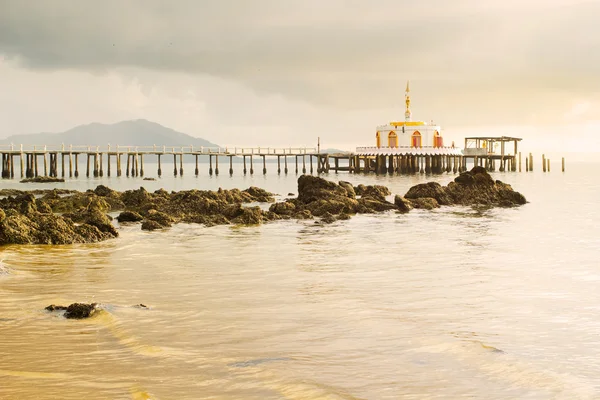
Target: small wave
258	361
4	270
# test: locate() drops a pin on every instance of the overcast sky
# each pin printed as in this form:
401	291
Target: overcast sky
279	72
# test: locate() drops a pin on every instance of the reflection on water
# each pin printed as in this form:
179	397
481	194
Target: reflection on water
457	302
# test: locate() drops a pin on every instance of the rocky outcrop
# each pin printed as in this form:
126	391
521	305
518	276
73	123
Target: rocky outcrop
330	201
472	188
25	219
29	221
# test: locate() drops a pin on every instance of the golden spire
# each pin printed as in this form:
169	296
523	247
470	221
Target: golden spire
407	113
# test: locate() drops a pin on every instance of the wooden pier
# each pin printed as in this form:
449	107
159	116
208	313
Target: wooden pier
64	161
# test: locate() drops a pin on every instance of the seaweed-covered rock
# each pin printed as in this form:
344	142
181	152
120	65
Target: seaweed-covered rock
349	189
377	192
160	217
430	190
249	216
129	216
403	204
474	187
303	214
283	208
135	198
260	195
149	225
426	203
327	218
104	191
312	188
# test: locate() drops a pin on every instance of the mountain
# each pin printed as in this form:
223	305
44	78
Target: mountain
126	133
334	151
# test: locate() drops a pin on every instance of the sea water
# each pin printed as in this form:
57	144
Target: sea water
450	303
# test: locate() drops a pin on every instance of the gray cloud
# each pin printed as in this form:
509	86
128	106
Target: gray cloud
469	59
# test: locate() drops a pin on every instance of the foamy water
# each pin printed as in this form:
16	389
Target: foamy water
452	303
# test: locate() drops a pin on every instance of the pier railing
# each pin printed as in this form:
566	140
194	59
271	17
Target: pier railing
162	149
423	150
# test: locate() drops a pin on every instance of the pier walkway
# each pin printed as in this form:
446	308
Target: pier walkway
63	160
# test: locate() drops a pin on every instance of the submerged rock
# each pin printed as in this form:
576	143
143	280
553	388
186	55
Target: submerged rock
75	310
42	179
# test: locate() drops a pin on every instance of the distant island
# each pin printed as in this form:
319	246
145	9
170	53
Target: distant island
138	132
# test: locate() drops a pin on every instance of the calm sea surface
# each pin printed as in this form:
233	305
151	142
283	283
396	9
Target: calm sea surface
444	304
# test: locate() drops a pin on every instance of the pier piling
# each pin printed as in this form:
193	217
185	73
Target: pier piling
544	162
142	165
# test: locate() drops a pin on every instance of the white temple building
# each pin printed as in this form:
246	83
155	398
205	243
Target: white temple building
408	137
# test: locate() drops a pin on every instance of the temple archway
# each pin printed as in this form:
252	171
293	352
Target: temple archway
415	139
438	141
392	139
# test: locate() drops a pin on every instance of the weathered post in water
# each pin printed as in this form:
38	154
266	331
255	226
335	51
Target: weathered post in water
285	167
530	162
251	166
245	170
159	172
210	169
544	162
230	165
548	162
196	171
181	164
278	165
216	165
175	164
563	164
264	165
